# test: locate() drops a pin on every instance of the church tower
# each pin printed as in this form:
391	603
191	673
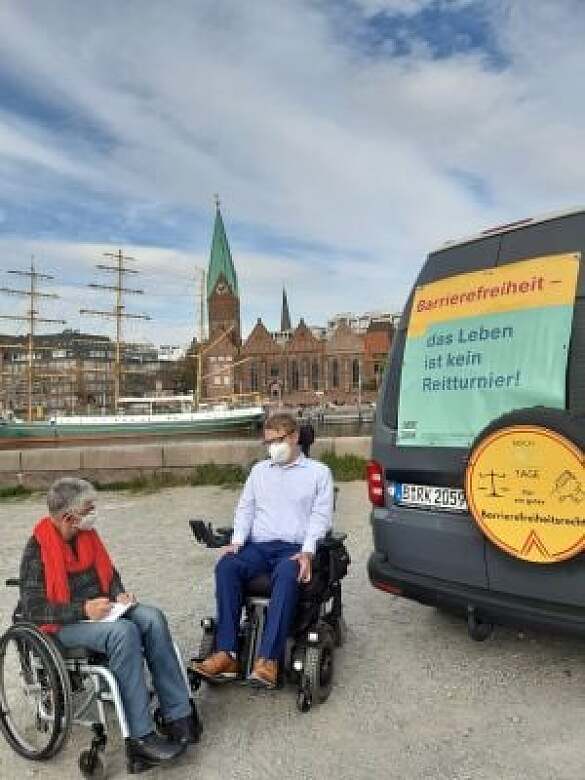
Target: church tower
223	299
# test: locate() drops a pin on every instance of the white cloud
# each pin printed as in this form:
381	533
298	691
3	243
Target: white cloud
303	136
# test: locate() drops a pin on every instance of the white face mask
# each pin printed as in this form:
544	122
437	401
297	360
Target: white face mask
280	452
87	522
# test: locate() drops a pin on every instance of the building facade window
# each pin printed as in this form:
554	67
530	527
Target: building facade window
294	375
355	373
335	373
305	374
254	377
315	375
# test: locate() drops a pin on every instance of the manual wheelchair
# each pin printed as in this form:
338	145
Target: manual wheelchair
319	625
46	689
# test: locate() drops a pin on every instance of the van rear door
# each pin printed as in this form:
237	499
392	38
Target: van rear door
562	582
437	543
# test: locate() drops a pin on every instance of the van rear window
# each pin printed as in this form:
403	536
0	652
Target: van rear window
482	343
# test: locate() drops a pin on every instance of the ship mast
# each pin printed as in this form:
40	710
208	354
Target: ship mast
32	318
120	270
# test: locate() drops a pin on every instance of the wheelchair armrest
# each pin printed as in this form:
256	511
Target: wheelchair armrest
12	582
331	556
205	534
333	539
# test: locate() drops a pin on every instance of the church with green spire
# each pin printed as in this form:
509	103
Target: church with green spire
223	298
293	365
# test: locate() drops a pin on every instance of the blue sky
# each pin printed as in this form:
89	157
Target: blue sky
346	139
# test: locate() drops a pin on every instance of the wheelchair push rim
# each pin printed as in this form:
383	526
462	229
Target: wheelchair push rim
34	686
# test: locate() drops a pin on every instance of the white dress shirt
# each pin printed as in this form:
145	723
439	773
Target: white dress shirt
290	503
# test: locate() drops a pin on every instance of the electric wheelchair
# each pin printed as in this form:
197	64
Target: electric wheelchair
46	689
319	626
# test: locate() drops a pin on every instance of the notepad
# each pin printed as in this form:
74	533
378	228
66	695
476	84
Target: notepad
116	612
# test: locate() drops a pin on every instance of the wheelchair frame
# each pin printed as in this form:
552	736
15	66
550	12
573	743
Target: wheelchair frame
309	653
58	675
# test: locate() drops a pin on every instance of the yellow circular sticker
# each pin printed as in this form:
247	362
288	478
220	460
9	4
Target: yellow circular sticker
525	488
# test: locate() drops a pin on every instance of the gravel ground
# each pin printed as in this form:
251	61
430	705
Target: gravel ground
414	697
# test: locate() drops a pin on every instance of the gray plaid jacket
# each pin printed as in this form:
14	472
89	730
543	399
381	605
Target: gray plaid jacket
33	596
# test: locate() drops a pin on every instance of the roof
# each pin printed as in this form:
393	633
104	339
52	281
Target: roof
380	325
220	258
506	228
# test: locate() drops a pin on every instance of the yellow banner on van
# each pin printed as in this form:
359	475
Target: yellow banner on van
528	284
482	343
525	488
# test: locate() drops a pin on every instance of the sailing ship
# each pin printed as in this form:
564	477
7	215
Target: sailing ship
194	416
219	417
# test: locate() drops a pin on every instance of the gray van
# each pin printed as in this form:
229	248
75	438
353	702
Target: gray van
427	545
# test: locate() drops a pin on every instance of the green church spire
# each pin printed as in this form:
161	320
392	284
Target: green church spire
220	258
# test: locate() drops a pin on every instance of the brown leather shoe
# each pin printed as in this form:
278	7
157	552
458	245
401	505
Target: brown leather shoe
219	666
264	673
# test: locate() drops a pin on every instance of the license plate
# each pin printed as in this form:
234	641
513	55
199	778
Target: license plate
430	496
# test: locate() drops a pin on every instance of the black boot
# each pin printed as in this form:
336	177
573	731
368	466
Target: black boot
184	730
149	751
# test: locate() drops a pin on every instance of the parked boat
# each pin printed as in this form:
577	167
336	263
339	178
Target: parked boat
128	425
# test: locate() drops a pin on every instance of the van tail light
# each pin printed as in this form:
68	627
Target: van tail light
375	475
387	587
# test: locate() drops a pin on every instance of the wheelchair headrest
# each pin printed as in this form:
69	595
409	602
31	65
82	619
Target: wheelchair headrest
306	438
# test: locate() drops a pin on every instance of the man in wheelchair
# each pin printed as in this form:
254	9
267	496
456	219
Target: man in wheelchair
286	506
69	586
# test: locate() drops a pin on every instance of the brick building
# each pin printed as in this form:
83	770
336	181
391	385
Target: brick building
296	365
73	373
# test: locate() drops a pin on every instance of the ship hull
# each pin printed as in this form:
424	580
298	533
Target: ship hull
139	426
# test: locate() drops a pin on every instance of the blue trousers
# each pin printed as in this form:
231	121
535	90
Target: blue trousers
231	574
142	633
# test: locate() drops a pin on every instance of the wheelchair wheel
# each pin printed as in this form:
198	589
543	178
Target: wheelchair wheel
318	670
35	693
92	764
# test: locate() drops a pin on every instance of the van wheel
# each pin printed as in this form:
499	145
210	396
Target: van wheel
478	630
558	420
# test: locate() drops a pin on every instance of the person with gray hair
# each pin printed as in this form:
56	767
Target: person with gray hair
68	586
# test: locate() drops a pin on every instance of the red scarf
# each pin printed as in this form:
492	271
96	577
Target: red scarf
59	561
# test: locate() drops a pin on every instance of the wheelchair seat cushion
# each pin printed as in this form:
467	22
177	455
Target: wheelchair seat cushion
75	653
261	587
